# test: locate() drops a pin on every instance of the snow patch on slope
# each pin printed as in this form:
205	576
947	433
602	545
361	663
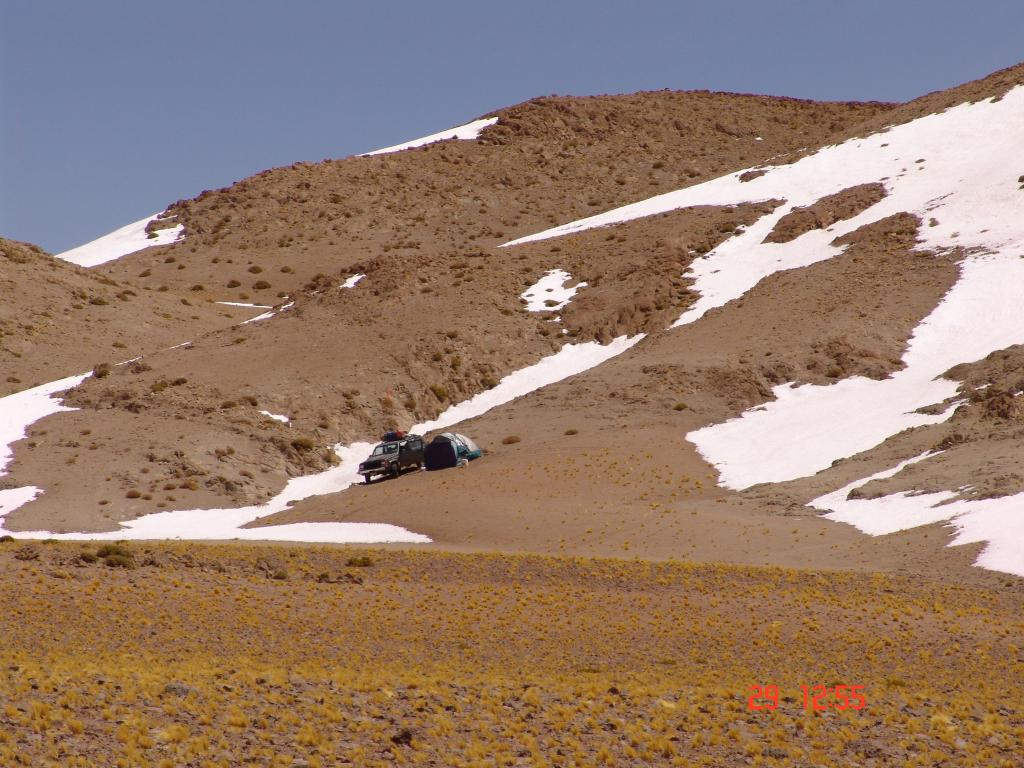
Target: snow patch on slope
128	239
352	281
467	131
550	288
276	417
570	360
22	409
806	428
269	313
998	522
17	413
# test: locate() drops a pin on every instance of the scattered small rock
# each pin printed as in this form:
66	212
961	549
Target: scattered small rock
178	689
26	553
403	738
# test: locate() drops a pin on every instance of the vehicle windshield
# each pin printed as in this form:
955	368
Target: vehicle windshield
384	448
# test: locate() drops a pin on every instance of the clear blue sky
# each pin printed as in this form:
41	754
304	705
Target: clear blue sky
112	109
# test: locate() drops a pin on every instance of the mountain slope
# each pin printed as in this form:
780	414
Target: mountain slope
437	317
801	252
57	319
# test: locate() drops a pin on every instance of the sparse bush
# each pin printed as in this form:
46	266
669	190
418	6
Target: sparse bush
102	370
119	561
439	392
233	283
280	574
510	439
359	561
108	550
572	432
254	269
132	494
679	407
303	444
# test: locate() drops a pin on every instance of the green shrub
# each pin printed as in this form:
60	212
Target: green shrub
107	550
119	561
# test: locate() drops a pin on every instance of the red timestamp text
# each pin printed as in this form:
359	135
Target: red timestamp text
816	698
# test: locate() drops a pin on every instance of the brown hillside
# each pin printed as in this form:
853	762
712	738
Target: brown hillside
57	319
437	318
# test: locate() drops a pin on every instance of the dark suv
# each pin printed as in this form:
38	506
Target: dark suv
397	452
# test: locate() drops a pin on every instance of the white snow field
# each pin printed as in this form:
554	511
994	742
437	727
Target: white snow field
17	413
999	522
806	428
276	417
955	170
352	281
467	131
22	409
128	239
221	524
551	287
568	361
269	313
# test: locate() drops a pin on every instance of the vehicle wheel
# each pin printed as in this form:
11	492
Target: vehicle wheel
367	479
394	471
